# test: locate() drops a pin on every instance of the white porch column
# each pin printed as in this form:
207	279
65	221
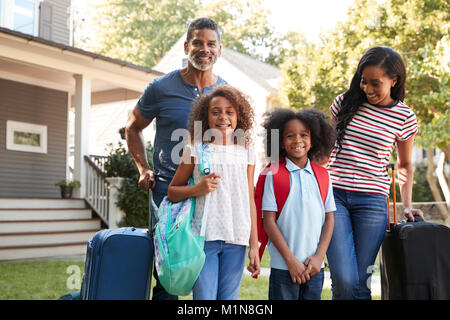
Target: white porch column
82	106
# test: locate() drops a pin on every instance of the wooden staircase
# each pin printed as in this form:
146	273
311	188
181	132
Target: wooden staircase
45	228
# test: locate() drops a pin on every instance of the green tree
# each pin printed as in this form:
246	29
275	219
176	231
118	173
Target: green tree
419	30
141	31
315	75
136	31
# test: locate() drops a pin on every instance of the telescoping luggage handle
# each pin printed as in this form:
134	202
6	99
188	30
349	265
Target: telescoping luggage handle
150	227
392	166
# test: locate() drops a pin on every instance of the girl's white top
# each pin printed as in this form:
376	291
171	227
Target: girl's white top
228	205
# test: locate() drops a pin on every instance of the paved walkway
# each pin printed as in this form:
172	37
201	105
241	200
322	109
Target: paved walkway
375	281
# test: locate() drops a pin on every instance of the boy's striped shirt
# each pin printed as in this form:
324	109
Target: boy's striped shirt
367	145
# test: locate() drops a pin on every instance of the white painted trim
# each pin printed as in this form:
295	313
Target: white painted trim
16	126
82	107
36	82
68	138
24	50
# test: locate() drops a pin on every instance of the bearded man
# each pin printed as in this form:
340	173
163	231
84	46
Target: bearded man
169	100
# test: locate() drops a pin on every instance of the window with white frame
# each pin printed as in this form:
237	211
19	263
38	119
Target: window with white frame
20	15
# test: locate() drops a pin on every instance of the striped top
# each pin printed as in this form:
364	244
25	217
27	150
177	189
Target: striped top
367	145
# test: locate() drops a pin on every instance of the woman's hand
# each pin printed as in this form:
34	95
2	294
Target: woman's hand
409	213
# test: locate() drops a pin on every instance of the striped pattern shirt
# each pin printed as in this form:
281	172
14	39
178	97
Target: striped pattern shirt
367	145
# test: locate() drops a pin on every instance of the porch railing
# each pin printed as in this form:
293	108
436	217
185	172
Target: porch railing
97	190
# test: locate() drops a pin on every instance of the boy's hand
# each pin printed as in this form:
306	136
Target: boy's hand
254	265
313	265
297	271
209	183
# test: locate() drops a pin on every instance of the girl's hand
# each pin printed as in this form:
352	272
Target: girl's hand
209	183
313	265
254	265
297	271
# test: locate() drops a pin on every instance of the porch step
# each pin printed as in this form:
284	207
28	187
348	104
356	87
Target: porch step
44	214
45	228
38	252
48	225
31	203
10	240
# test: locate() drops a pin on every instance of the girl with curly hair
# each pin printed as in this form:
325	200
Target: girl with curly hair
225	117
371	120
299	237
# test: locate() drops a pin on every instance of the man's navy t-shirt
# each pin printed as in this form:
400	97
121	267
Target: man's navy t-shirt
169	99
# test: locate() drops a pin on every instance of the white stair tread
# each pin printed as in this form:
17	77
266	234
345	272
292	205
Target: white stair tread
44	214
43	252
33	239
27	203
48	225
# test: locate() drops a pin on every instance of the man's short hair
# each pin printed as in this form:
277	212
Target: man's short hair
202	23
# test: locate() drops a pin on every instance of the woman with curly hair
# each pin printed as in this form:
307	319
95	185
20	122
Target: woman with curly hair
299	238
371	120
226	192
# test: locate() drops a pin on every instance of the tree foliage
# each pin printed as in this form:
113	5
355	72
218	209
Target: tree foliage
142	31
417	29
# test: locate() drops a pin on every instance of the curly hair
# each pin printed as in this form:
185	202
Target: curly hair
323	133
240	102
387	59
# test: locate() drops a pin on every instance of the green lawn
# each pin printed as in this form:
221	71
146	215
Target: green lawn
36	280
48	280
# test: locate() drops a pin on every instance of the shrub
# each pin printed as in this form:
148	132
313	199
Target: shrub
131	200
120	163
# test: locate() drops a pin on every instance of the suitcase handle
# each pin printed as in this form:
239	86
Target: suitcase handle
150	200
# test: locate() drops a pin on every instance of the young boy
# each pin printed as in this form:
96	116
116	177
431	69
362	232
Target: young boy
299	238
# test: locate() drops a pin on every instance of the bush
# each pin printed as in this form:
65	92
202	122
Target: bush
131	200
120	163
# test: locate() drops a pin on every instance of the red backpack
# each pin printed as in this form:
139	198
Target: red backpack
281	186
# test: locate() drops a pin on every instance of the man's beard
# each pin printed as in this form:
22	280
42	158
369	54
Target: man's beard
202	66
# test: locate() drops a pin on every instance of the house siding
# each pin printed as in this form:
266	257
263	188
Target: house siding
29	174
60	21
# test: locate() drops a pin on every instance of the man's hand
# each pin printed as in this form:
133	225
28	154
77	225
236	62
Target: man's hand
145	177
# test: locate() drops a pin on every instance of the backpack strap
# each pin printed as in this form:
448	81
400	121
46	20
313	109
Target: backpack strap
323	180
204	158
205	168
281	186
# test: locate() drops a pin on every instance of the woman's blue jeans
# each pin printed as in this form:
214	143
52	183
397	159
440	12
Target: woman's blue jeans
220	278
360	223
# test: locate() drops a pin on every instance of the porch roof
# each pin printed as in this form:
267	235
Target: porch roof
37	61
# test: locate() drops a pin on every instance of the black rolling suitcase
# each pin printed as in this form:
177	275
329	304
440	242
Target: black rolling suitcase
415	261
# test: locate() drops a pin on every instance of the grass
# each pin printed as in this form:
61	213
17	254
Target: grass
49	280
36	280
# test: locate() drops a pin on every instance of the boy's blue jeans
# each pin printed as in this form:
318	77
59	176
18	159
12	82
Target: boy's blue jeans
221	276
360	223
281	286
